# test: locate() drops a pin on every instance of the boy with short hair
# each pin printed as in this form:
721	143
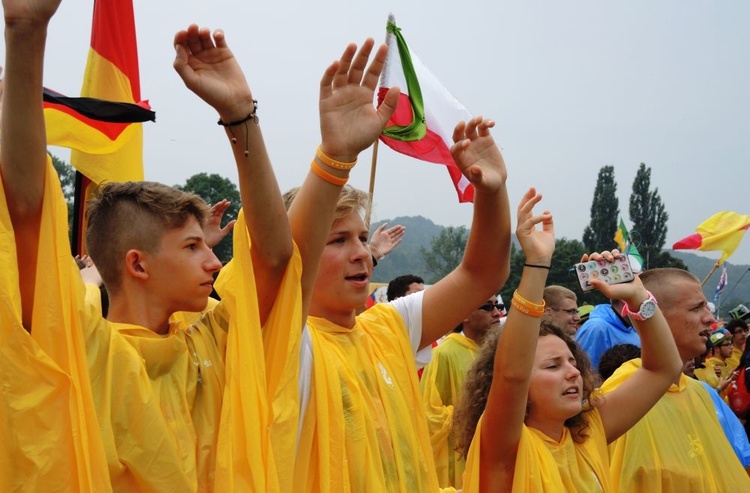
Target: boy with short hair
177	410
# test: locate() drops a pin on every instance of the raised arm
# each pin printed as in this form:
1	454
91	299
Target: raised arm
383	240
24	142
349	124
486	262
209	69
628	403
506	404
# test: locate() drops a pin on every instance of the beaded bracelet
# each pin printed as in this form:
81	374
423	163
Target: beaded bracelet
332	162
527	307
326	176
251	117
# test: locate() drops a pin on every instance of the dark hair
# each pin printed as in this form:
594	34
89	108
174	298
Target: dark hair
615	356
735	323
400	285
476	388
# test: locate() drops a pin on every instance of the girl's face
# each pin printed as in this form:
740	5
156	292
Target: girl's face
556	387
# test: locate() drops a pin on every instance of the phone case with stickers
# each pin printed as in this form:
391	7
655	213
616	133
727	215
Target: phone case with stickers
615	272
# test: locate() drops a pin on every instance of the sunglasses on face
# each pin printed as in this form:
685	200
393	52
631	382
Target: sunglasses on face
488	307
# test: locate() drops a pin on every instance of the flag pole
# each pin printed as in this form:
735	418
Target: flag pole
373	167
713	269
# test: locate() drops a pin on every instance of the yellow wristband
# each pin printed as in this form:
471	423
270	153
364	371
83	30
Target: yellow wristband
326	176
332	162
527	307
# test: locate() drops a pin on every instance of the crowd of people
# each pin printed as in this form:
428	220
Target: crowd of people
283	383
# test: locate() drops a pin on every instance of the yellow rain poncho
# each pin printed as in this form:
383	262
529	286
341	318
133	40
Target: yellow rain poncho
364	430
734	360
159	399
678	446
49	437
441	384
546	466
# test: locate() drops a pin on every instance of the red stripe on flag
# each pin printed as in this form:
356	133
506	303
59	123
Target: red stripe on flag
113	38
692	242
111	130
430	148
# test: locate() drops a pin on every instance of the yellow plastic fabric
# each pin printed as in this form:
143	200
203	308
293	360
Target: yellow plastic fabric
158	399
48	428
185	319
707	374
260	415
678	446
546	466
363	430
441	384
734	360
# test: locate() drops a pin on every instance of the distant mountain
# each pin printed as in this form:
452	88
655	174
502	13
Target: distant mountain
738	287
407	259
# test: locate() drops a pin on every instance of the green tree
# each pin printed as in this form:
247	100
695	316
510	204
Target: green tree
649	218
567	253
446	252
67	176
213	188
605	210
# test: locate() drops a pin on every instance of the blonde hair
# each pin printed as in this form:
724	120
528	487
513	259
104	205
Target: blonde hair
351	199
134	215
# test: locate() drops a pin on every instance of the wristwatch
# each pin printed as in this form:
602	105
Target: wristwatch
646	311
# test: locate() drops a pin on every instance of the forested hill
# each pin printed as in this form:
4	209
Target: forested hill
407	259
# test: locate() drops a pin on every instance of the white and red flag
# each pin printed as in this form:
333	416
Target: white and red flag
426	113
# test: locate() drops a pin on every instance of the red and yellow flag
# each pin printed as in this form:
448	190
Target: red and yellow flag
111	74
90	125
722	231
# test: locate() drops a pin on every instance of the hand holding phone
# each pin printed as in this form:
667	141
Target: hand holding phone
615	272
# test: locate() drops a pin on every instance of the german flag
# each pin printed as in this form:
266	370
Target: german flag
111	74
91	125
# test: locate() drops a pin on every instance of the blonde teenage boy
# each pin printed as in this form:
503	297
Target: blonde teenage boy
362	426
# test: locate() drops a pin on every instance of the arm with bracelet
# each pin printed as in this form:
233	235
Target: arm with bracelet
349	124
208	68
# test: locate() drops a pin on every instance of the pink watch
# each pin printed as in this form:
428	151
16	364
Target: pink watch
646	311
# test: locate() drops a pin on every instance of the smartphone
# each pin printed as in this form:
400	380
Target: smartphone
615	272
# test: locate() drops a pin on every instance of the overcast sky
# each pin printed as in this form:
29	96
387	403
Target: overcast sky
572	85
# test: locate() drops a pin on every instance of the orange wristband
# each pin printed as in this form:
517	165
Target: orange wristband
332	162
326	176
527	307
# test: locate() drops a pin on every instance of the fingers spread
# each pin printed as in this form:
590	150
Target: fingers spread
360	62
325	83
376	67
341	76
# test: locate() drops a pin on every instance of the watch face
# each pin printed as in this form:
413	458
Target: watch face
648	308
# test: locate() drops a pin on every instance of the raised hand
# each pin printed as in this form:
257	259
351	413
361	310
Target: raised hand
29	10
349	123
476	154
208	68
633	293
538	245
384	240
213	231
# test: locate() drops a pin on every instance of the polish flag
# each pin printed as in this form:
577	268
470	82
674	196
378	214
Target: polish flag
426	113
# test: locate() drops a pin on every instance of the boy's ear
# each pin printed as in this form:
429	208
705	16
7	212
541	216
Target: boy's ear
136	264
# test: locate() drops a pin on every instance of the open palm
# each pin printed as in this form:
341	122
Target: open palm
349	123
